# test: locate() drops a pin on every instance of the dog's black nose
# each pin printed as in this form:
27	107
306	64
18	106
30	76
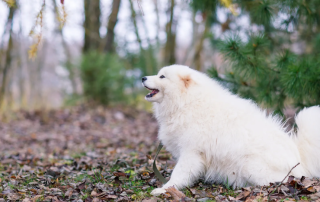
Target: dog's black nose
144	78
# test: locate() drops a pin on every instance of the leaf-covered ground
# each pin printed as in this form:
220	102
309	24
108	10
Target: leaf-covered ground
105	155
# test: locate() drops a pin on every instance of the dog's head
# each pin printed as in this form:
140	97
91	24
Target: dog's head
170	82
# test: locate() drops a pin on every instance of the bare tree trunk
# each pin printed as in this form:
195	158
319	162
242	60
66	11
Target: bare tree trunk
91	25
194	39
149	53
68	56
2	42
22	63
158	22
134	20
113	17
8	58
145	56
36	81
170	46
198	50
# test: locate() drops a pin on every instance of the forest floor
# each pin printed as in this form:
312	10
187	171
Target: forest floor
102	154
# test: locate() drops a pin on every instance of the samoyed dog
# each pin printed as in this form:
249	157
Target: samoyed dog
223	138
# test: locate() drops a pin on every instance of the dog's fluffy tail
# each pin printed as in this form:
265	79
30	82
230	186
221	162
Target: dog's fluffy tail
308	139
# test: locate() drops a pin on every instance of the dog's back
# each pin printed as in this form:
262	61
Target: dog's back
308	139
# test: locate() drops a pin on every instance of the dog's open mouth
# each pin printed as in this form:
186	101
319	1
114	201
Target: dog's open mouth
153	92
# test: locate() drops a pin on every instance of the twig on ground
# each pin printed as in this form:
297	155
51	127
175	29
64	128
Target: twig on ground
281	183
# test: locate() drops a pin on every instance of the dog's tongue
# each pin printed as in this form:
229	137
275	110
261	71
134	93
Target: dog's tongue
154	91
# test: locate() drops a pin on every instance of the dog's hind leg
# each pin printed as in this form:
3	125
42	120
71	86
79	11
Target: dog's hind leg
308	140
188	169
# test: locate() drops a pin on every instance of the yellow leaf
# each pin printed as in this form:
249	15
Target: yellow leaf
32	52
10	3
228	4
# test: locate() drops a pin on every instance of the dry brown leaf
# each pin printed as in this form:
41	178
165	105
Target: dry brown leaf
290	178
101	195
82	185
34	199
315	196
120	174
96	200
311	189
176	194
317	188
150	200
94	193
243	195
307	182
111	197
70	193
246	189
251	199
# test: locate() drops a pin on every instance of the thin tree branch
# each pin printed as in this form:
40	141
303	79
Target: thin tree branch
281	183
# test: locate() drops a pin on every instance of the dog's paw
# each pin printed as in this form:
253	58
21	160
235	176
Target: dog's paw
158	191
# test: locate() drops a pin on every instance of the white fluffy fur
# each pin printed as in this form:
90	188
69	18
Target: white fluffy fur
224	138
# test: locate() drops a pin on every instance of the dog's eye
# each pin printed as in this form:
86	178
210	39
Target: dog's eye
161	77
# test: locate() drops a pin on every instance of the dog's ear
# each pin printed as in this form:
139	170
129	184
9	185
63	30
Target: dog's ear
187	81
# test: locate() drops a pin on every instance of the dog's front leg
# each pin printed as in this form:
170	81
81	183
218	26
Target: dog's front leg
188	169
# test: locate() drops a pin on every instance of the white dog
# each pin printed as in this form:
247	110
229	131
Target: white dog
224	138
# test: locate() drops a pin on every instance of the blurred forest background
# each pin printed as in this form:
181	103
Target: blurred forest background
72	104
56	53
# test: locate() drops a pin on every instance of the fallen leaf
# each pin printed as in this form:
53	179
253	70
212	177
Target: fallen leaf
82	185
250	199
243	195
34	199
94	193
176	194
111	197
307	182
315	196
290	178
150	200
121	174
96	200
317	188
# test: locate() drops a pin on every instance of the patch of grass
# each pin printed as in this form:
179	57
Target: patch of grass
85	196
26	181
305	198
136	186
115	168
97	177
226	185
78	155
80	178
12	186
187	193
139	196
286	199
230	192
